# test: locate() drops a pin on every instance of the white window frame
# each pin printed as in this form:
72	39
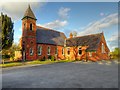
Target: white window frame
48	50
40	50
103	48
63	53
31	53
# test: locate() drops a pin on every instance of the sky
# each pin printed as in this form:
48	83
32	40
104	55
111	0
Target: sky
82	17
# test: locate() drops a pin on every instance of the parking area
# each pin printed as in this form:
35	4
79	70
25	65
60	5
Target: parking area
102	74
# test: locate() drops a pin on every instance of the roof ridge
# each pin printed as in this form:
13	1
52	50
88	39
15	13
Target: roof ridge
86	35
92	40
50	36
49	29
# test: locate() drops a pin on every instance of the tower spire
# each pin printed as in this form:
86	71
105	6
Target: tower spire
28	5
29	13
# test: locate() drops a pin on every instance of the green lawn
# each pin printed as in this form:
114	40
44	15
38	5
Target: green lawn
32	63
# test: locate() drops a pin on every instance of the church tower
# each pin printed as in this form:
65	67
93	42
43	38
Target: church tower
29	35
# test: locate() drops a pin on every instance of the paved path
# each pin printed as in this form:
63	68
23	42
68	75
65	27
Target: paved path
63	75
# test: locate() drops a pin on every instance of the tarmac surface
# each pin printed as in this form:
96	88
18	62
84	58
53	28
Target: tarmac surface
102	74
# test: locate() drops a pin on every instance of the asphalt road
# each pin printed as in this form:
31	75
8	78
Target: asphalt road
63	75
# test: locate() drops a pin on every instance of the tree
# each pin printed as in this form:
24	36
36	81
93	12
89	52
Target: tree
75	48
78	48
116	53
75	45
7	31
11	51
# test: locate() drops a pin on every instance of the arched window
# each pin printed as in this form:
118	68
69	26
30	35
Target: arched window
31	26
103	48
68	51
62	51
56	50
48	51
39	50
31	51
79	51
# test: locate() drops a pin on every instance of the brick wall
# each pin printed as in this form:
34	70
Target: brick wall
94	55
29	41
29	37
52	51
105	55
74	53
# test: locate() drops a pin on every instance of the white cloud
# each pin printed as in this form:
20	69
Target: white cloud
63	12
102	14
113	41
22	1
97	26
57	24
60	0
113	47
16	10
106	22
113	38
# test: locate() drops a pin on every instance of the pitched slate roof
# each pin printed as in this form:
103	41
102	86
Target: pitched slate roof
29	13
89	40
48	36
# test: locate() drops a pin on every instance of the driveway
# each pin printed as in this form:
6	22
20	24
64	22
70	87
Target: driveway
63	75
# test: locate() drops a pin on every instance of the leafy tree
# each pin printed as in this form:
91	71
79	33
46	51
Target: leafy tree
11	51
7	31
52	58
116	53
75	45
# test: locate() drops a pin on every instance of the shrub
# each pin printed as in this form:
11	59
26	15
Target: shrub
49	57
5	56
52	58
77	59
43	59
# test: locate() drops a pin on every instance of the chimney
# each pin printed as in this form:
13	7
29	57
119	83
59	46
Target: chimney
71	35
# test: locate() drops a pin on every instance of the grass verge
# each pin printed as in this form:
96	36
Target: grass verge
33	63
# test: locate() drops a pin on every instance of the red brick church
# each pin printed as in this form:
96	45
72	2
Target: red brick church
38	42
